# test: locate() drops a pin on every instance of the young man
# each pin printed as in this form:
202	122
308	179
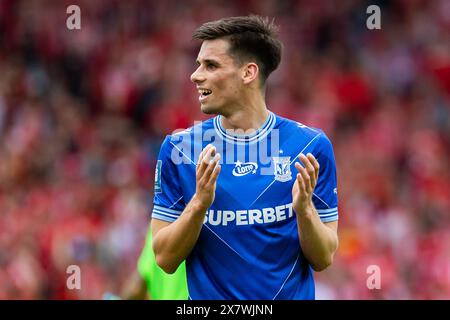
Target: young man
256	230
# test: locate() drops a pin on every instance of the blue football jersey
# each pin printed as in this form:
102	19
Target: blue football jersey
248	246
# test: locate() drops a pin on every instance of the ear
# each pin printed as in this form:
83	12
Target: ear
250	72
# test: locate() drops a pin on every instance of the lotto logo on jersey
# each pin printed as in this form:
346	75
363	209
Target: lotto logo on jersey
282	167
244	168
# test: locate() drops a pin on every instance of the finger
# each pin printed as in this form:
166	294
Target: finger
315	164
214	175
202	155
209	169
207	160
305	177
306	160
299	167
201	166
209	154
306	180
307	163
301	185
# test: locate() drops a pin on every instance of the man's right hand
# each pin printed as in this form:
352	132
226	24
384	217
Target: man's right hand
172	242
207	172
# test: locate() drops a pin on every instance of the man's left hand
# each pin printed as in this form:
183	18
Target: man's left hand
305	183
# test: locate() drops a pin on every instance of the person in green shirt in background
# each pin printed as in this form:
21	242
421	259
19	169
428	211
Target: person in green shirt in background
150	282
160	285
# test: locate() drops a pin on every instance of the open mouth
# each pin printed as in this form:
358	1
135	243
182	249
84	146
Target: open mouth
204	93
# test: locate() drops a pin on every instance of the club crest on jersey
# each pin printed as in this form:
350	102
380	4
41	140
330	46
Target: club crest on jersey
243	168
282	167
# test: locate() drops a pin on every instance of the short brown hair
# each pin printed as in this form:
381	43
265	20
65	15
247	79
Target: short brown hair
250	37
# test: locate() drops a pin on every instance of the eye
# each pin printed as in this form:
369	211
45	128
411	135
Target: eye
211	66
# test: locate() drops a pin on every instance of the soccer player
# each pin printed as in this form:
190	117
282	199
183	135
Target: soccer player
247	198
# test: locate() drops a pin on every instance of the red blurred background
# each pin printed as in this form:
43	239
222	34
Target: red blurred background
83	113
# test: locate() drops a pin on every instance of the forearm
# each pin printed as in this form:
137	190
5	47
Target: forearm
318	241
173	243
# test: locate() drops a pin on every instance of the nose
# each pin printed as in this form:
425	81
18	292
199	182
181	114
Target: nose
197	76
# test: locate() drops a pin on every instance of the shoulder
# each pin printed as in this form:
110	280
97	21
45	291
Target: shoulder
199	127
315	136
181	145
187	134
295	127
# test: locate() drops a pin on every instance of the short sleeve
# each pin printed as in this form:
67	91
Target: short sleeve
168	202
325	194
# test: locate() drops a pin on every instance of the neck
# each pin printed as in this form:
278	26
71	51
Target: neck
250	116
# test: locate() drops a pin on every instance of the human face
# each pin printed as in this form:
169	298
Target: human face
217	77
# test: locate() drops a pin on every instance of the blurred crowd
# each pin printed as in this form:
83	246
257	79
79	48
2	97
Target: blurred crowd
83	113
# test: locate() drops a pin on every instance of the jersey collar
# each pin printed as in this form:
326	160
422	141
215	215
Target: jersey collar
258	135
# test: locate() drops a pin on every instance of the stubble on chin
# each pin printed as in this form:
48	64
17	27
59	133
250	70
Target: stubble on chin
207	110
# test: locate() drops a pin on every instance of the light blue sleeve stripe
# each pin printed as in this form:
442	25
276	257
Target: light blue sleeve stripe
166	214
327	210
164	209
328	214
329	219
161	217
